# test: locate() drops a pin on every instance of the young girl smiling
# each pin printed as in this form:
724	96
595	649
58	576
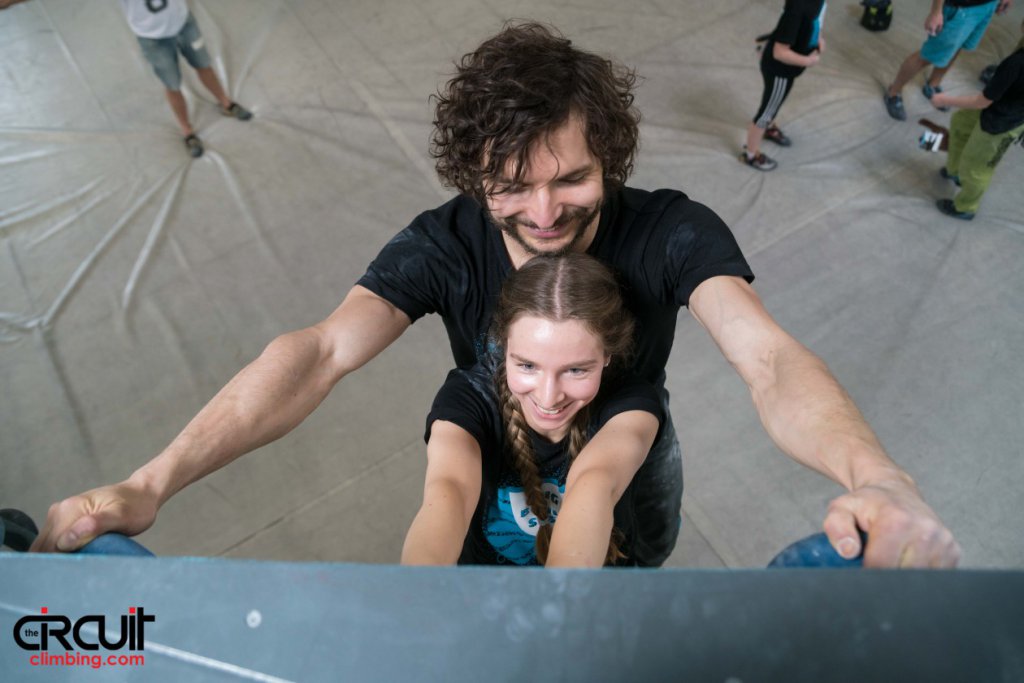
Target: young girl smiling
549	429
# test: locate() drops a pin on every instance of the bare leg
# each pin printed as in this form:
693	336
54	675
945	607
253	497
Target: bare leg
939	72
912	65
754	137
212	83
180	109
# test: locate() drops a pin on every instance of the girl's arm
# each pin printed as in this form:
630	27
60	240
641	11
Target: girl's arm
596	481
450	493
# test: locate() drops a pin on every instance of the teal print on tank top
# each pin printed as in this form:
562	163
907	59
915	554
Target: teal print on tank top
511	527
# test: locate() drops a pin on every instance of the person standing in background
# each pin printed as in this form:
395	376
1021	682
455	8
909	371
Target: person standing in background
980	133
795	44
952	25
164	28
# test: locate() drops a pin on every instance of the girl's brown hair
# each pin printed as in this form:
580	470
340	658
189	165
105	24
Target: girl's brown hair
570	287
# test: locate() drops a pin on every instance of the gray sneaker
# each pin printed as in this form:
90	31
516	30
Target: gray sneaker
894	105
760	161
238	111
194	145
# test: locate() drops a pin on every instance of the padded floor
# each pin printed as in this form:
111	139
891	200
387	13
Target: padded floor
134	281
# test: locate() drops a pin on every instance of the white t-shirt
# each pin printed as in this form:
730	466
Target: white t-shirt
155	18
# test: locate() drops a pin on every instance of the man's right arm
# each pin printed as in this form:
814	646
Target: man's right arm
263	402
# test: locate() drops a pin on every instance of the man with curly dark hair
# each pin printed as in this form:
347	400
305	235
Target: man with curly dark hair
539	138
520	86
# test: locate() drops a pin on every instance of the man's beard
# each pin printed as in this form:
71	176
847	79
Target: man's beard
585	216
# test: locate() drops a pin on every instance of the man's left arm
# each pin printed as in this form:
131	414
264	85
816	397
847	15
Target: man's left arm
811	418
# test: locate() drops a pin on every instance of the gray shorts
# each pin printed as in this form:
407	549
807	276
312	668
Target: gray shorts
162	53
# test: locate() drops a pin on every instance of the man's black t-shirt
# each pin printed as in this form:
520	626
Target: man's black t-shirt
799	27
503	529
452	261
1006	90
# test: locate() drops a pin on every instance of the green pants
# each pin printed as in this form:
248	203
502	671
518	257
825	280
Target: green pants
974	155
